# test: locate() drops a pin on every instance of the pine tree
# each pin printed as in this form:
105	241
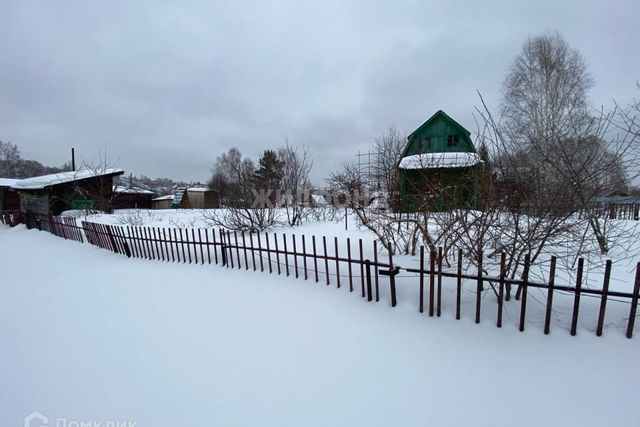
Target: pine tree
270	169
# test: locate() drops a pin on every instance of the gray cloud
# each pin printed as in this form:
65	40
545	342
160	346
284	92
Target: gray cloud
165	88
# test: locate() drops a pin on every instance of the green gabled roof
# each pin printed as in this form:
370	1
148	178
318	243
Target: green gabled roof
438	114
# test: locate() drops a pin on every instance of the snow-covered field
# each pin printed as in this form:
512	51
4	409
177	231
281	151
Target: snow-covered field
92	336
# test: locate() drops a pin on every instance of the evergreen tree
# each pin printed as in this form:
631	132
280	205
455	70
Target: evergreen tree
270	171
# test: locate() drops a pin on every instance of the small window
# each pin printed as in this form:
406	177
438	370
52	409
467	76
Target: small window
425	144
452	140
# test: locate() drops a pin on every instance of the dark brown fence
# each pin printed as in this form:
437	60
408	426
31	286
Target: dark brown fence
628	211
322	258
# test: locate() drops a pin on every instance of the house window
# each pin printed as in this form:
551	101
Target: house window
425	144
452	140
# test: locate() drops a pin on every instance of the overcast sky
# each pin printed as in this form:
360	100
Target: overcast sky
165	87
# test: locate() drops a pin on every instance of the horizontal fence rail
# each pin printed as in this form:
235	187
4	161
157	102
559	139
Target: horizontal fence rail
335	261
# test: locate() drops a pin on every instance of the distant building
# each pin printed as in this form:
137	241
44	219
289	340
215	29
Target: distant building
55	193
131	198
195	198
440	166
162	202
9	198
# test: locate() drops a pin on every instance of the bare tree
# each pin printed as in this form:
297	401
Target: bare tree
388	149
101	193
552	157
295	184
241	212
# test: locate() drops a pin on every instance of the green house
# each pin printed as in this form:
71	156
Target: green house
440	167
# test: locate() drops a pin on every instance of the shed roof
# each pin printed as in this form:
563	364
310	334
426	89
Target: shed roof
199	189
168	197
41	182
130	190
437	114
8	182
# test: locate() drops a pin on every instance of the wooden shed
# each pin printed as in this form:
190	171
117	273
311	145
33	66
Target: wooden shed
162	202
131	198
55	193
195	198
9	198
440	166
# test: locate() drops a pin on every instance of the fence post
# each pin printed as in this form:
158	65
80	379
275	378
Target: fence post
375	268
253	252
244	249
295	255
215	245
200	243
421	305
266	236
230	246
634	303
315	257
304	256
439	302
361	266
552	278
368	272
459	284
260	252
349	264
335	243
223	251
326	258
523	306
286	253
479	286
125	245
603	301
501	291
432	283
235	238
206	239
392	279
184	257
275	238
576	299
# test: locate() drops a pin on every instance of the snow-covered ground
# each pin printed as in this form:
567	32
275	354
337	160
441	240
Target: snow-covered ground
90	335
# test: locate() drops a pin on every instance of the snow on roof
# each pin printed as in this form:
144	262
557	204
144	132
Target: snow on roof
169	197
8	182
132	190
40	182
198	189
440	160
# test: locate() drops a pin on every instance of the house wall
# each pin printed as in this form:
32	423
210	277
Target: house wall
202	200
9	199
131	201
57	198
438	132
161	204
34	201
450	187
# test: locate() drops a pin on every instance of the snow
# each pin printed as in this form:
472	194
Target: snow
199	189
440	160
130	190
91	335
8	182
40	182
168	197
